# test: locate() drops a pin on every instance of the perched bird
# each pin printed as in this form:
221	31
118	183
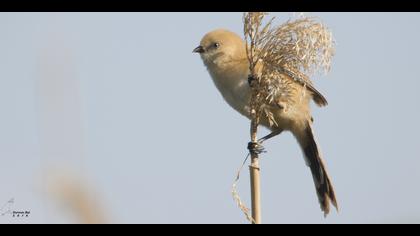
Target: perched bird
224	54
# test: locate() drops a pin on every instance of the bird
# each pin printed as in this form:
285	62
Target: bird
224	54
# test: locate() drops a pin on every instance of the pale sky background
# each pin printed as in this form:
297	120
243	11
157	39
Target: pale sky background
119	101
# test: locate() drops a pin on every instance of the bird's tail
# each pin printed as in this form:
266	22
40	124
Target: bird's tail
324	188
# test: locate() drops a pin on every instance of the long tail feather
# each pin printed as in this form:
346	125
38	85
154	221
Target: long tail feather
324	188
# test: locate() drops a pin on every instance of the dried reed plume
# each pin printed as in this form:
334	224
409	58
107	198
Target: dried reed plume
298	48
74	194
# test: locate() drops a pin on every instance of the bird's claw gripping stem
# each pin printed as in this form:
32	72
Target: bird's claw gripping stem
255	148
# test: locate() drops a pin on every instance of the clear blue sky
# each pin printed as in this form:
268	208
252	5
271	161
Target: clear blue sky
119	100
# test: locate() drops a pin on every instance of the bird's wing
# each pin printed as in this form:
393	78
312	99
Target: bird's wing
300	78
304	80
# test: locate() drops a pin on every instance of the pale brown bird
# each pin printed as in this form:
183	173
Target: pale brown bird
224	54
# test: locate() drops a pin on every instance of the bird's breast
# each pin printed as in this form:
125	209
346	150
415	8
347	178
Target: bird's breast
234	89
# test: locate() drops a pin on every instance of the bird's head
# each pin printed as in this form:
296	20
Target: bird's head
221	46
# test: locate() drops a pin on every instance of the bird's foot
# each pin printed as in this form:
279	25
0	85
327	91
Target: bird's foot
255	148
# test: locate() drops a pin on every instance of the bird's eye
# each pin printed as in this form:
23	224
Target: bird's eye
216	45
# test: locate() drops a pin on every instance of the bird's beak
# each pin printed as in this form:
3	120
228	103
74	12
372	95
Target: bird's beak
198	49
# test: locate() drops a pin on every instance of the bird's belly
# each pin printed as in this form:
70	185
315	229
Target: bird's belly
292	115
237	93
238	98
240	104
